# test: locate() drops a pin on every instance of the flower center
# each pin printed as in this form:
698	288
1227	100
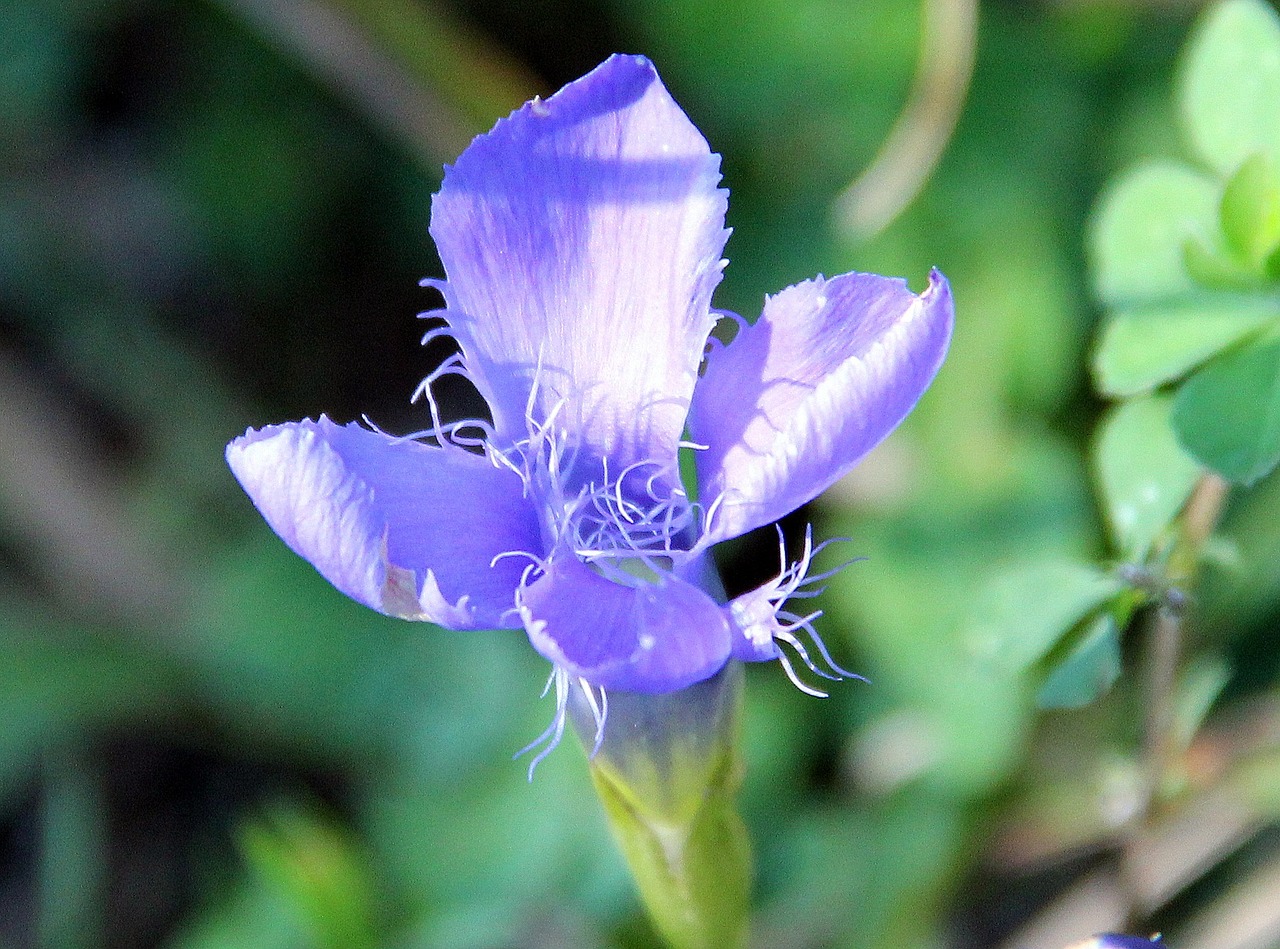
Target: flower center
627	524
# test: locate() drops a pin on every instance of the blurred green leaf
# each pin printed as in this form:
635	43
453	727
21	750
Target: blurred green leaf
320	874
282	656
1200	684
73	845
56	683
1230	84
1031	508
1228	414
878	871
251	916
1251	209
1144	475
1022	614
1138	230
1140	349
1217	268
1087	671
482	849
1244	593
1271	266
1257	780
39	54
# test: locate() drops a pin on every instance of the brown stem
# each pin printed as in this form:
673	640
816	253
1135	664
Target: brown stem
1164	650
429	83
1202	512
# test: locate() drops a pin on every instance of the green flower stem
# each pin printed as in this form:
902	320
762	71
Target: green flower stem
666	774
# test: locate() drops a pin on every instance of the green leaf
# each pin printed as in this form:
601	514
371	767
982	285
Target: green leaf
1228	414
1022	615
1138	230
1142	348
1087	671
1144	475
1251	210
1230	84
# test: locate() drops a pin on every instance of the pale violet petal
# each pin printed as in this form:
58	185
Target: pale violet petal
405	528
798	398
645	636
581	239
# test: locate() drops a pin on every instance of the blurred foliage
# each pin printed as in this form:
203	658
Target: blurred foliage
1190	257
206	223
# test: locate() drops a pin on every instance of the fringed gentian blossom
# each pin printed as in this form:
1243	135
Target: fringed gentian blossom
582	239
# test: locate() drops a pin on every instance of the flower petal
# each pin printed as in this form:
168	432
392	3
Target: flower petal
405	528
582	239
653	636
796	400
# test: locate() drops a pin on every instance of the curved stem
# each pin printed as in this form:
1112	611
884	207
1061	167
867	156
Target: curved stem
948	42
414	71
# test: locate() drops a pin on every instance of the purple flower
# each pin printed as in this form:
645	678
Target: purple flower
582	240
